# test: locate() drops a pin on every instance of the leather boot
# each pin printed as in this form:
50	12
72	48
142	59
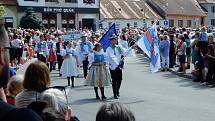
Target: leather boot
103	93
96	92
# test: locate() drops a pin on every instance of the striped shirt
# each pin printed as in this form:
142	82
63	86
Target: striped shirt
24	98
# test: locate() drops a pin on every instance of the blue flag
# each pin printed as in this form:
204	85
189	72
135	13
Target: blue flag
104	41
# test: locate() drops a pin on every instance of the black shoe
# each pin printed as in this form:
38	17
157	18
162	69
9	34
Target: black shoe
118	95
115	97
60	75
104	98
196	80
97	97
73	85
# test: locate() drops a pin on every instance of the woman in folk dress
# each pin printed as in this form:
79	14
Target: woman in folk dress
99	75
70	64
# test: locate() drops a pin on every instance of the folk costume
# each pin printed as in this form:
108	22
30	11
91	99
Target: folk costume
69	67
98	75
42	51
84	49
115	55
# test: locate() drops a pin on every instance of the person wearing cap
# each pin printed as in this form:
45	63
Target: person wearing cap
115	55
84	48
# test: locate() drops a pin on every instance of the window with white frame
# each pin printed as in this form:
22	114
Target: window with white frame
180	23
212	22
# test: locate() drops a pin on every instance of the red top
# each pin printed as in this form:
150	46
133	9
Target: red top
10	100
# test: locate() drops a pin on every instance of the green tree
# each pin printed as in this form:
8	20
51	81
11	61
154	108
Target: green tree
2	11
30	20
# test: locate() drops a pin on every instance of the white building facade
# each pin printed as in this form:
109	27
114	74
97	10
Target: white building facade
70	14
209	6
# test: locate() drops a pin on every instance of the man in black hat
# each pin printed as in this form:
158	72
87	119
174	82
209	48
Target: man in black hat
115	54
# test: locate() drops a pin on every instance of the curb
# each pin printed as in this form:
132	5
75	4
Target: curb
188	75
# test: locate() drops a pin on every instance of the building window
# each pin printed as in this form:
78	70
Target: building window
212	22
135	24
68	20
189	23
8	22
49	20
180	23
51	0
30	0
171	23
89	1
71	1
109	24
213	9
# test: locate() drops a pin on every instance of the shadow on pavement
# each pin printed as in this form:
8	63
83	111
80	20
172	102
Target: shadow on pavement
85	101
195	85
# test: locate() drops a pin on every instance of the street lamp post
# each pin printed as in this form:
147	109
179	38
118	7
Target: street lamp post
143	10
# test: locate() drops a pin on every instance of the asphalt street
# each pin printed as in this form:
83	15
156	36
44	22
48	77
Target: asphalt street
161	96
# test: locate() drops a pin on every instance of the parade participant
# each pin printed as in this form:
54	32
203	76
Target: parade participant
51	58
123	42
94	39
42	49
59	47
98	75
84	49
114	54
70	64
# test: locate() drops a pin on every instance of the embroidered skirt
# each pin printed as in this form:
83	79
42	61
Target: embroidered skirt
98	75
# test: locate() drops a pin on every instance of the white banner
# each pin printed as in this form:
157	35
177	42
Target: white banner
72	35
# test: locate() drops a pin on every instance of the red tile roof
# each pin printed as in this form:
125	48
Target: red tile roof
8	2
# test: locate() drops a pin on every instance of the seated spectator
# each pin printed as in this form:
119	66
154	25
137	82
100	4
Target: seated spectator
36	80
57	108
114	112
14	87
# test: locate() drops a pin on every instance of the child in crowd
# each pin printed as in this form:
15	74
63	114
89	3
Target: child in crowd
30	52
13	88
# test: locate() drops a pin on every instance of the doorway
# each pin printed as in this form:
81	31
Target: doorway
87	24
